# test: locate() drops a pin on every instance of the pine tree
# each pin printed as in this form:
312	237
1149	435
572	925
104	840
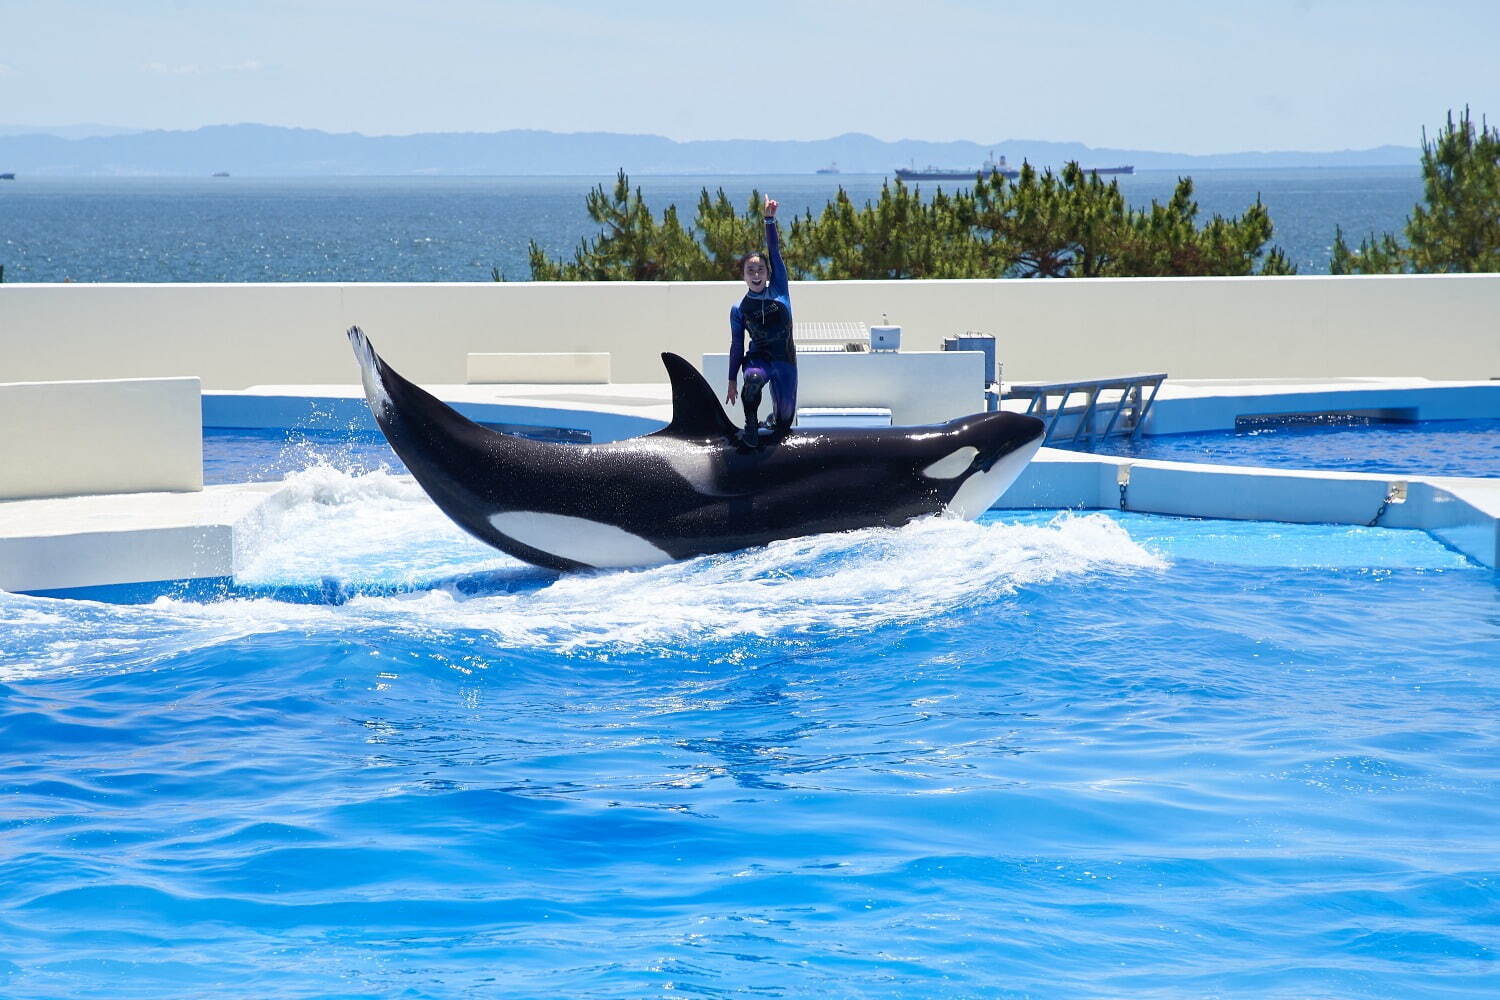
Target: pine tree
1457	228
1042	224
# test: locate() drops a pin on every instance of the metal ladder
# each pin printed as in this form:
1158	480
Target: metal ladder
1132	397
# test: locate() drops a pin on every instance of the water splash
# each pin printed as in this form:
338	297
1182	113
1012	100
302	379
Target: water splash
396	556
370	551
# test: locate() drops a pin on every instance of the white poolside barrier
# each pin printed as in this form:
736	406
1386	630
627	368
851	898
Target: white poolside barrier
527	368
236	336
139	435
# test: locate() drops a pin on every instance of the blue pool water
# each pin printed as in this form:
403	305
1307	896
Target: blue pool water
257	455
1038	756
1430	447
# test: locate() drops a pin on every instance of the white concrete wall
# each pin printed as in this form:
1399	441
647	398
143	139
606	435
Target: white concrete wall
234	336
925	387
529	368
119	436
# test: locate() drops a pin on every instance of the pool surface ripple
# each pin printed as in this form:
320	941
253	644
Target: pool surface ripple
1430	447
1044	755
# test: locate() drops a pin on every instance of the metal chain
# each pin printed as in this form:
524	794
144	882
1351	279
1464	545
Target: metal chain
1381	512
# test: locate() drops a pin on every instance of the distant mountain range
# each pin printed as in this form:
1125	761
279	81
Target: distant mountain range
81	131
274	151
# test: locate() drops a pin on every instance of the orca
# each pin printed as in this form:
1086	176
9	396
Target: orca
693	487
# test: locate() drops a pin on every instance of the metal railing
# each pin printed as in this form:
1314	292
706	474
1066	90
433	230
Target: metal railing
1126	397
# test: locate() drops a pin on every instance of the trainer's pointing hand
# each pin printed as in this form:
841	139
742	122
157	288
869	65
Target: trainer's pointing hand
770	207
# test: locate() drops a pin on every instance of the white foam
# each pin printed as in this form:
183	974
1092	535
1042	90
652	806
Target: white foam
380	531
87	635
326	524
858	579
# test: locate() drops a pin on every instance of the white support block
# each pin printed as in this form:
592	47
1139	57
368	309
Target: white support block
99	541
918	387
539	369
139	435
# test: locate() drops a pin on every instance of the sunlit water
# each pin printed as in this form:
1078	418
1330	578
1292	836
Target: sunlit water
254	455
1429	447
461	228
1042	755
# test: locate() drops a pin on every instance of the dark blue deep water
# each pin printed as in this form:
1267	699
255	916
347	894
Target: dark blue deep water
459	228
1039	756
1429	447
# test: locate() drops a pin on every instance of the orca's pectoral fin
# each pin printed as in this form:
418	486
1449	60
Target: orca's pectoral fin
696	412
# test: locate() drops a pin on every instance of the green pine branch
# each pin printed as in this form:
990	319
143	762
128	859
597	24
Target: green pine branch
1456	228
1041	224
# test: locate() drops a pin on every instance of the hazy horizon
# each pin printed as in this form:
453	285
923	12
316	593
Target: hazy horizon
1288	75
82	130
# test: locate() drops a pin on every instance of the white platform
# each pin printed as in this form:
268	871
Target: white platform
100	436
96	541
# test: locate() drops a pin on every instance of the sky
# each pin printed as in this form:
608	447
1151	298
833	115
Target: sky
1186	77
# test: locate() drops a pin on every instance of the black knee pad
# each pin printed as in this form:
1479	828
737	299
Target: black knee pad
750	392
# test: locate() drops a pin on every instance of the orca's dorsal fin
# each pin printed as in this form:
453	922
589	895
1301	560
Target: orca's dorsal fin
696	412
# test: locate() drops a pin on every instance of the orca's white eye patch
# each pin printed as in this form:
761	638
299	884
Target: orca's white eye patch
954	464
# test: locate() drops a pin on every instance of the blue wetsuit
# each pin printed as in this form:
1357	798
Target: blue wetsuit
767	317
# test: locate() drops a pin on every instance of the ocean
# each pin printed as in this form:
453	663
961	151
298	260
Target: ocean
231	229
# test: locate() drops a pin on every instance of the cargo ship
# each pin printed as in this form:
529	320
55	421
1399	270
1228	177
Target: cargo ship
991	166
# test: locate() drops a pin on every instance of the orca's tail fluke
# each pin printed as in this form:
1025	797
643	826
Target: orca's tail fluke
370	373
470	471
362	349
417	423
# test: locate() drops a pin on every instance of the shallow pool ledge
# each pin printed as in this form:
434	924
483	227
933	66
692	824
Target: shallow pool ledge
1463	513
86	542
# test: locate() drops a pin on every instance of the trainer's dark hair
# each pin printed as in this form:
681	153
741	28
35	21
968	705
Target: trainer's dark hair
765	258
